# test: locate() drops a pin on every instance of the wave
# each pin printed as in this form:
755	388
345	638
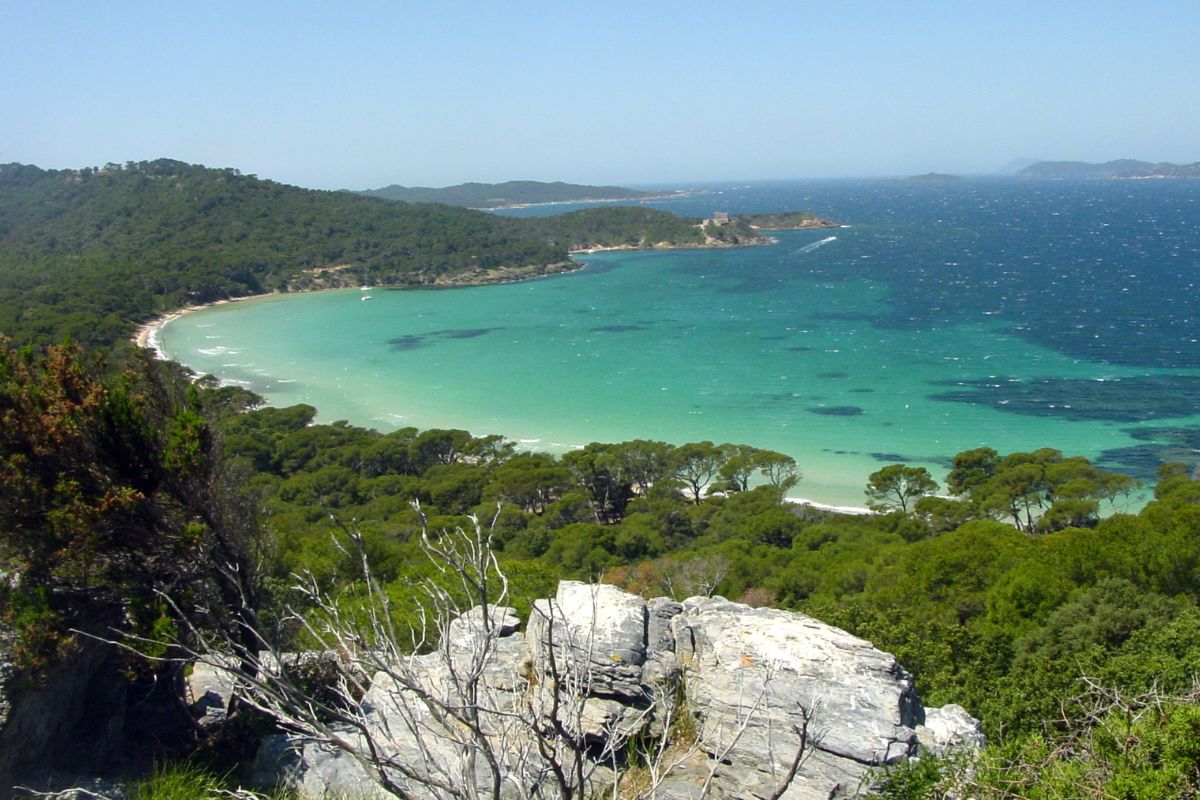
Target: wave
808	248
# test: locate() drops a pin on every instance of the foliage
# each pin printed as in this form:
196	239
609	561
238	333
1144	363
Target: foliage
178	781
110	493
615	226
1039	491
1140	748
896	486
89	253
186	780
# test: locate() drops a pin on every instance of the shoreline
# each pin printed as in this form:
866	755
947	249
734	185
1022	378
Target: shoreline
145	336
857	511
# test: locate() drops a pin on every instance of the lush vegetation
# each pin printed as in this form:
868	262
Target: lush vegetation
112	498
615	226
90	253
1021	625
113	490
784	221
509	193
1073	635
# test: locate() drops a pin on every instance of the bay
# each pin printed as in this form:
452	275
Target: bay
1003	313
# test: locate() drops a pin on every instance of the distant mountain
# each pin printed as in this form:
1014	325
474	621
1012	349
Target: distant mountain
510	193
1121	168
928	177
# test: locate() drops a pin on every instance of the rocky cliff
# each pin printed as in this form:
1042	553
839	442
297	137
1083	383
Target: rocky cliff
704	698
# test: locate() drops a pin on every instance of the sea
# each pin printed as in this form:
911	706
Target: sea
942	316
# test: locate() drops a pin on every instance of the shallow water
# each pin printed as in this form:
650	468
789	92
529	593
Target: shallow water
1002	313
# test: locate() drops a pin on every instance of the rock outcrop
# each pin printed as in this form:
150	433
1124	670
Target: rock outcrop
949	729
72	718
740	692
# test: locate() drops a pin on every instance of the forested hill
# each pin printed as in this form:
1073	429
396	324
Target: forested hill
1121	168
90	253
509	193
87	252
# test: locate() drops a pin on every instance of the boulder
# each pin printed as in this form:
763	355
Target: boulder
753	675
71	719
210	688
312	770
950	729
468	627
596	628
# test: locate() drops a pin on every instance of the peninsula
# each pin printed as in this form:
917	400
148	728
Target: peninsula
515	194
92	253
785	221
1122	168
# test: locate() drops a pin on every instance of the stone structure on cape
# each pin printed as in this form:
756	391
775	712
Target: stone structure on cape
736	663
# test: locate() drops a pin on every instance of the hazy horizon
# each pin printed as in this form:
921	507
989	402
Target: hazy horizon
364	95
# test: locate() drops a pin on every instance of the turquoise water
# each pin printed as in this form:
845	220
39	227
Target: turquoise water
904	338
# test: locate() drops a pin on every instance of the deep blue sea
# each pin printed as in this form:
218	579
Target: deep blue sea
946	315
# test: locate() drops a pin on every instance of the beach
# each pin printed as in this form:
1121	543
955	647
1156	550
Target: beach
146	334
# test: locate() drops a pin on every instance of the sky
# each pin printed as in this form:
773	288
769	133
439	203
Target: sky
359	95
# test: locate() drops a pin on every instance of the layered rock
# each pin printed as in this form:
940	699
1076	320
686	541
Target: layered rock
756	688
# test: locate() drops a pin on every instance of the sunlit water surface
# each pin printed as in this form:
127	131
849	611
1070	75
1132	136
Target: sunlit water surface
946	316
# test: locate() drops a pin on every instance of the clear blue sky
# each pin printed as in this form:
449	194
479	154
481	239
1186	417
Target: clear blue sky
357	95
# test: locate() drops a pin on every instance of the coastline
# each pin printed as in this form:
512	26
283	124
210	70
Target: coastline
640	199
145	336
857	511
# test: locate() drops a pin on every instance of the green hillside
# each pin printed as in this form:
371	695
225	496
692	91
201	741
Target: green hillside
1121	168
91	252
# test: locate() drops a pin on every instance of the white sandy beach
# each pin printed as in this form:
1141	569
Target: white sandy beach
146	335
803	501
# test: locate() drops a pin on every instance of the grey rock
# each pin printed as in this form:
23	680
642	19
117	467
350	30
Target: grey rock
210	688
72	719
601	718
276	762
312	770
660	637
592	626
469	626
950	729
750	677
777	664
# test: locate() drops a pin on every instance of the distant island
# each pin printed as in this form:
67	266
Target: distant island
512	194
928	177
1121	168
